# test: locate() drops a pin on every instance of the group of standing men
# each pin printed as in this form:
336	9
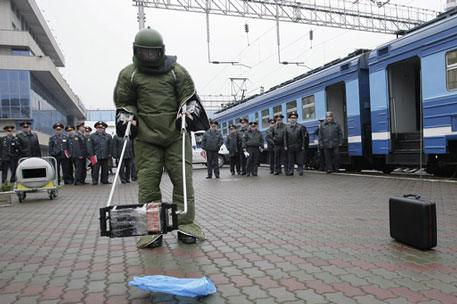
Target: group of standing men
287	146
72	152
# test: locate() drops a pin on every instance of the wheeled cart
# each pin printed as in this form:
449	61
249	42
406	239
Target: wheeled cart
36	174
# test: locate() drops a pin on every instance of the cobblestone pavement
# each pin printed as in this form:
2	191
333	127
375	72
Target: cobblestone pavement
316	238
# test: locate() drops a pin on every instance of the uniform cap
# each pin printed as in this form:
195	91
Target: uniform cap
243	120
26	124
8	128
80	124
69	128
329	113
293	115
253	123
279	116
88	129
101	124
272	120
58	126
232	127
213	123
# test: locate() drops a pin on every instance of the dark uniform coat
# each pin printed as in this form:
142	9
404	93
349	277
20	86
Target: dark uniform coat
58	148
78	153
330	138
101	145
211	143
252	142
29	145
9	152
118	144
294	140
269	134
231	143
281	157
241	132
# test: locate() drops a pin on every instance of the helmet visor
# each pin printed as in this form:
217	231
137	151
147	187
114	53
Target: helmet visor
148	54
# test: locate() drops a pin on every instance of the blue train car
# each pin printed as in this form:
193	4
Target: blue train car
341	86
413	96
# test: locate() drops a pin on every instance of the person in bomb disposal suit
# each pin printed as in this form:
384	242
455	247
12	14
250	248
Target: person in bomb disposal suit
253	144
155	89
101	146
9	151
241	132
78	153
28	141
58	148
212	141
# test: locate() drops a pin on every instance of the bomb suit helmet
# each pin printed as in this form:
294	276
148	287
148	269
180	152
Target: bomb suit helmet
148	48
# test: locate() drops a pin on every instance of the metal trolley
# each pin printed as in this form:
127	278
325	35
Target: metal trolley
36	174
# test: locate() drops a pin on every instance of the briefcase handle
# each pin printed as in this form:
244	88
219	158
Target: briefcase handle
412	195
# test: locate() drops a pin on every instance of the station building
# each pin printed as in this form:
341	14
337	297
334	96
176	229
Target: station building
31	86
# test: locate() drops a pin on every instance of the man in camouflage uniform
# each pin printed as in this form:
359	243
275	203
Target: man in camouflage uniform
154	89
9	151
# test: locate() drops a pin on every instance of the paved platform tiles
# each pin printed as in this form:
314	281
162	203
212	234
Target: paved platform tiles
316	238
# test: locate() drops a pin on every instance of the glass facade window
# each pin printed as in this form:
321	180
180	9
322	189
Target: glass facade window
451	69
19	52
308	107
43	109
290	107
14	94
265	118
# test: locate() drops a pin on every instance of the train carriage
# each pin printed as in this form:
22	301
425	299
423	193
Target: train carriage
414	97
341	86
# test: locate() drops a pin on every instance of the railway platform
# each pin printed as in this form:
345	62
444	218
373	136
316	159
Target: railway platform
317	238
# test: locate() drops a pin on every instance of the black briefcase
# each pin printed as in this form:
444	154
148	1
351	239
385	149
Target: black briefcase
413	221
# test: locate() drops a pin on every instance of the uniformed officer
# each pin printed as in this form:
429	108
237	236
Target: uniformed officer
58	148
78	153
28	141
331	139
253	144
212	141
86	137
294	144
231	143
9	151
278	140
321	149
126	165
269	133
80	128
101	146
241	132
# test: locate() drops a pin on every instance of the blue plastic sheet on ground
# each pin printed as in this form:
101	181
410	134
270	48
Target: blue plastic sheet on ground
175	286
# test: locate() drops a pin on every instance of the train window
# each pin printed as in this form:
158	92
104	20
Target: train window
277	110
224	128
291	107
309	109
265	118
451	69
237	123
257	117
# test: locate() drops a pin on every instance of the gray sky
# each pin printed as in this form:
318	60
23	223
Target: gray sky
96	38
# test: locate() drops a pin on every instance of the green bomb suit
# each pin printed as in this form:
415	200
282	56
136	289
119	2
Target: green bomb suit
155	96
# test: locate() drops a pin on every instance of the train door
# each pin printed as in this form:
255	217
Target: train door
336	103
405	102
